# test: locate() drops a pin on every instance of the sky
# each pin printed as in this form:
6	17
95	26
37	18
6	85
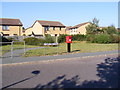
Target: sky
68	13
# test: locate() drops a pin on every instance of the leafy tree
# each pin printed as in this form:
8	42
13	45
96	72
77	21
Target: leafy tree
110	30
95	22
93	27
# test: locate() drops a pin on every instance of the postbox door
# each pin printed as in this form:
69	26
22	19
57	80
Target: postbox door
68	39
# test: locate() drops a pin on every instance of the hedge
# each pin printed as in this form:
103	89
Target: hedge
103	38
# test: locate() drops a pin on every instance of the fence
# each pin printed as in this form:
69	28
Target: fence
10	47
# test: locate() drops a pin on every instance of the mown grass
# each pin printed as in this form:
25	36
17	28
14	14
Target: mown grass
76	47
7	48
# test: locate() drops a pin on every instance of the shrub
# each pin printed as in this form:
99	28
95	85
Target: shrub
90	38
62	38
79	37
11	39
115	38
3	39
21	43
102	38
49	39
32	41
41	41
38	41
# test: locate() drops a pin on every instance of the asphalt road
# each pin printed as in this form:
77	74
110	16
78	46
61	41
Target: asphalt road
80	72
18	59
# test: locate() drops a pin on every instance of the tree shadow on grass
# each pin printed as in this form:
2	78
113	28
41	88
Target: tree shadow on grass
108	72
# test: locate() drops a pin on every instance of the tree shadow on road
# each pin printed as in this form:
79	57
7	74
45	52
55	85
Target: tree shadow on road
108	72
35	73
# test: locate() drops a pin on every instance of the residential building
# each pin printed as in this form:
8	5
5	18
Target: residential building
10	27
79	29
68	30
41	27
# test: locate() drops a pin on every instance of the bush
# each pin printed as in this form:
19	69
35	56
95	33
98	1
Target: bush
49	39
11	39
41	41
90	38
115	38
102	38
38	41
32	41
79	37
20	43
3	39
62	38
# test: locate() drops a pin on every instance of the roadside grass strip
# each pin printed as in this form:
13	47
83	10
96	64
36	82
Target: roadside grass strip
76	47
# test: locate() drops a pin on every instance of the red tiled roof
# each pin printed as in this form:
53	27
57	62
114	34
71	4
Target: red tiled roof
79	25
68	27
50	23
11	22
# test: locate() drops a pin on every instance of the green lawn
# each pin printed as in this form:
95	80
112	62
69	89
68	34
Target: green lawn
7	48
76	47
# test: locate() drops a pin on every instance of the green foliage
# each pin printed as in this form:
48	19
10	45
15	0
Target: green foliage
90	38
93	27
102	38
11	39
3	39
115	38
49	39
78	37
111	30
19	43
38	41
62	38
31	41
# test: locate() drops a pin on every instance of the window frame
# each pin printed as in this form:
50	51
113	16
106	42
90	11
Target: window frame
60	28
53	28
5	28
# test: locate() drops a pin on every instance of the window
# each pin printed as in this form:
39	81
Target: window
6	35
15	34
60	28
5	27
53	28
46	28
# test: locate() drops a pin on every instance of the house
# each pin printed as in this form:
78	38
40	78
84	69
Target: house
10	27
68	30
79	29
41	28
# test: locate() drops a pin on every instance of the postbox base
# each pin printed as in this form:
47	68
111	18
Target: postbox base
68	47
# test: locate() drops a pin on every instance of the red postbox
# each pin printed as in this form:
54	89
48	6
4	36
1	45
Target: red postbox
68	39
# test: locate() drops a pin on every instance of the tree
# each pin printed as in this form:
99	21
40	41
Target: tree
93	27
111	30
95	22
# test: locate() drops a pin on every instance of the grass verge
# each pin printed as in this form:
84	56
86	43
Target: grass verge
7	48
76	47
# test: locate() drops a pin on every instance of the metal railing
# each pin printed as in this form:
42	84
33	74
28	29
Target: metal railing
12	48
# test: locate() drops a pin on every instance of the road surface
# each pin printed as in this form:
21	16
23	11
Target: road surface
80	72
